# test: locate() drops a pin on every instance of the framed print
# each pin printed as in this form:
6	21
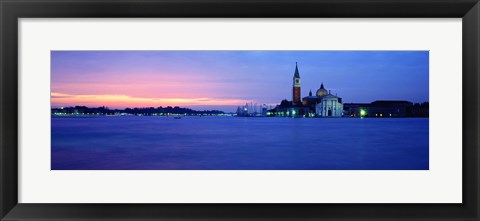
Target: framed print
161	110
227	144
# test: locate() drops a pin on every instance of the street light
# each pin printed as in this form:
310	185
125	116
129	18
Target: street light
363	113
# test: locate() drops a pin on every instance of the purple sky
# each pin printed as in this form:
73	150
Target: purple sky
224	79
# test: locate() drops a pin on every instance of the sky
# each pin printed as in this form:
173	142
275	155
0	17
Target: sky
223	80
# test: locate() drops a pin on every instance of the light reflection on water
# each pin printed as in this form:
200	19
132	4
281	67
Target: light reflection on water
231	143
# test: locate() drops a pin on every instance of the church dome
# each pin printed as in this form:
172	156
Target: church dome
322	91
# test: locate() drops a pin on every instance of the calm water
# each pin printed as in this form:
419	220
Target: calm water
230	143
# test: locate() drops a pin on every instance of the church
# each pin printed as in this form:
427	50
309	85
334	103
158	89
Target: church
322	104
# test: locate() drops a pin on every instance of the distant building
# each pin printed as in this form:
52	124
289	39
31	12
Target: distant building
329	106
296	86
389	108
322	104
355	109
252	110
386	108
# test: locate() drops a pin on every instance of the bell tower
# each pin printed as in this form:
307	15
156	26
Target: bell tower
296	86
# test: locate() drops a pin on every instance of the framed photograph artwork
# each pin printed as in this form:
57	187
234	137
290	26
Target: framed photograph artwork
255	110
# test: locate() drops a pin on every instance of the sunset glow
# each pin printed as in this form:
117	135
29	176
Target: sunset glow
122	101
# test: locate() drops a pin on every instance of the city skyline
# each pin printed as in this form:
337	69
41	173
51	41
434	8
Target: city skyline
223	80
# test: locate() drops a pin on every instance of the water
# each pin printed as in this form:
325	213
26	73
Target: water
231	143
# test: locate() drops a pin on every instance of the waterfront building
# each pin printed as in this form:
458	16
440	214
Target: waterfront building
252	110
355	109
386	108
322	91
322	104
296	90
311	101
329	106
389	108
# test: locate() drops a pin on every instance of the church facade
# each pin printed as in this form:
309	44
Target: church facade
322	104
329	107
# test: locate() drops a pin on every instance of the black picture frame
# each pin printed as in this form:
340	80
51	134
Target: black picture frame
12	10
